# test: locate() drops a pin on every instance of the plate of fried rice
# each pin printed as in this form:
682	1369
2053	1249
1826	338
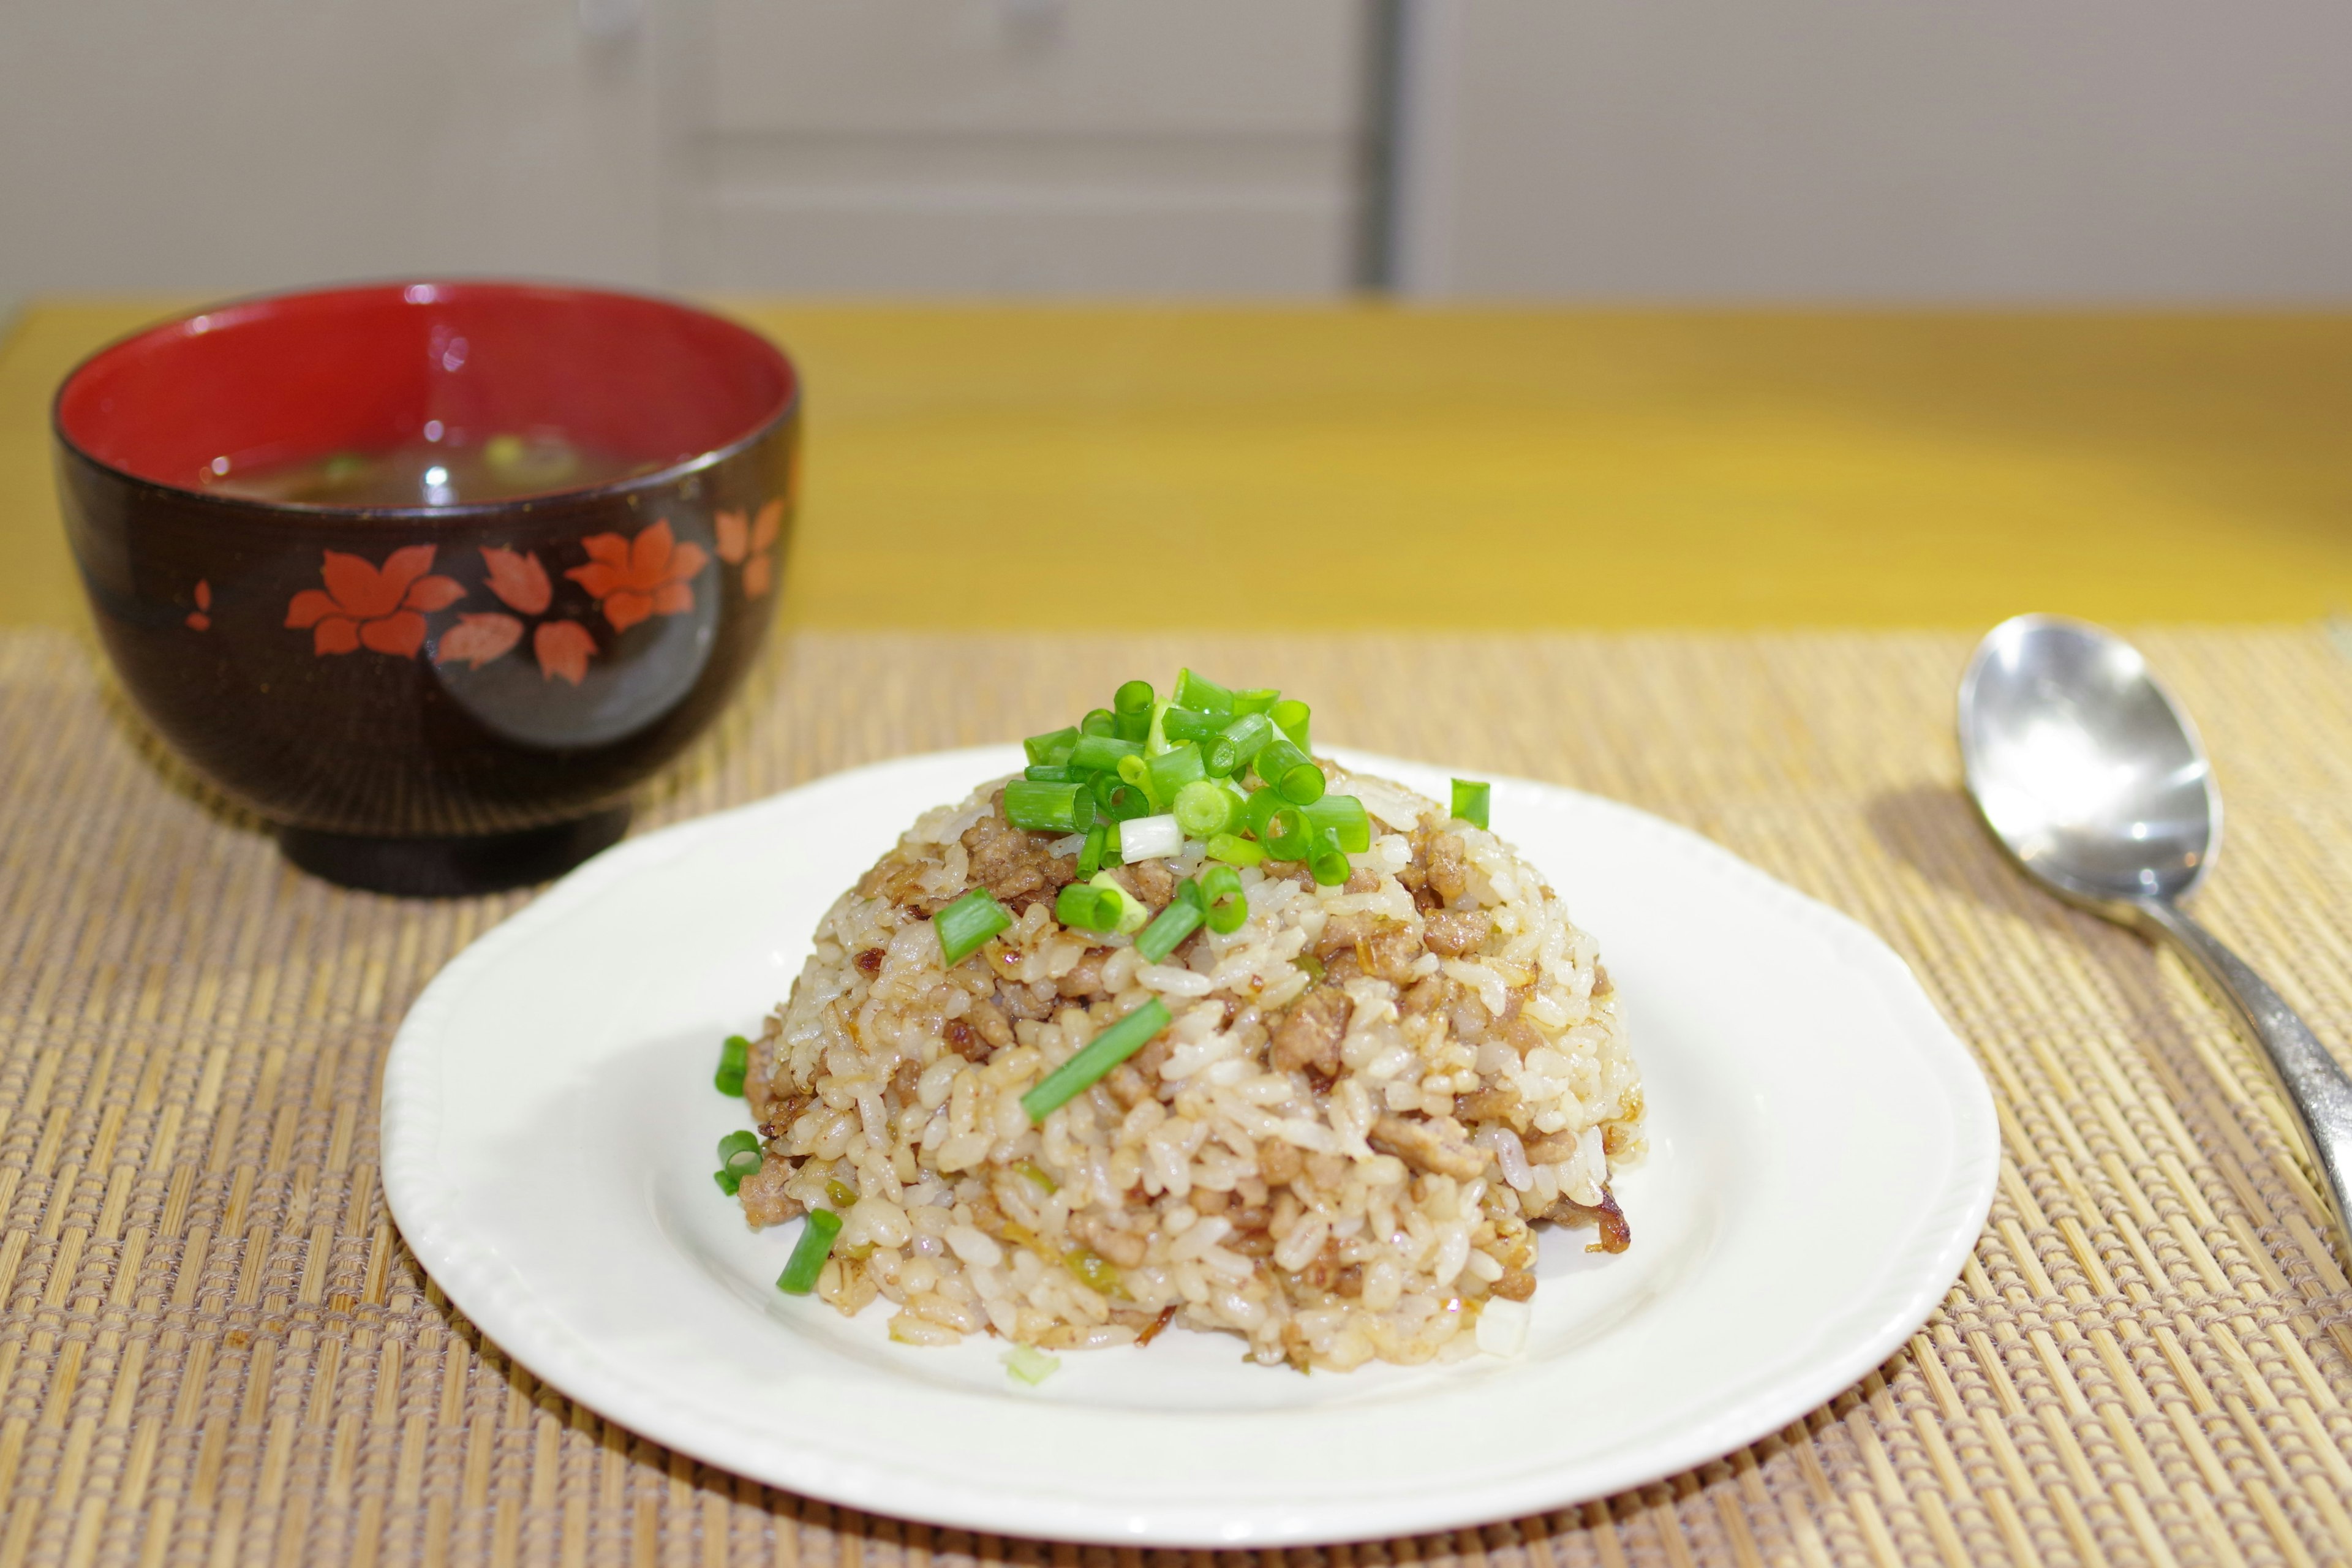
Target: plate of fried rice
1175	1130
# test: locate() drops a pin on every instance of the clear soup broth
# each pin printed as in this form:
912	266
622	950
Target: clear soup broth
431	473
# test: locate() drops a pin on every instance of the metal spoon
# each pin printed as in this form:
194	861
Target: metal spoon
2092	777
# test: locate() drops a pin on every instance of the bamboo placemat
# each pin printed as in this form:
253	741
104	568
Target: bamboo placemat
215	1351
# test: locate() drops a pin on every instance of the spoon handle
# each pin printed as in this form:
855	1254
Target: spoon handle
2315	1084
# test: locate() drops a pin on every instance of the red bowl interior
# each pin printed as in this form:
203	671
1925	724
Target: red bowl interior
297	377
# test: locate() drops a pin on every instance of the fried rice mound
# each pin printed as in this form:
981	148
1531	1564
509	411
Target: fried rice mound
1369	1095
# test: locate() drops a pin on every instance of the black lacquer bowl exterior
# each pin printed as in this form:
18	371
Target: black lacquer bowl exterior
450	699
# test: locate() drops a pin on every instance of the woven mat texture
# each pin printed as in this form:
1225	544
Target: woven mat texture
215	1351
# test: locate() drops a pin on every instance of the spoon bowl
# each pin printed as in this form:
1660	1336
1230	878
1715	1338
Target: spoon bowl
2093	780
2085	767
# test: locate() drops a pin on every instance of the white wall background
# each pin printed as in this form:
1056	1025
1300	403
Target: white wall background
2093	151
236	144
1944	151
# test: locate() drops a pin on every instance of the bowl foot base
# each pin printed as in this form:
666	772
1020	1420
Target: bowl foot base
451	867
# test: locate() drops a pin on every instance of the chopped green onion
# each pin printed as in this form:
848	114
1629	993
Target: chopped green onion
1132	705
1111	855
1137	772
736	1144
1286	837
1188	724
1132	698
1098	752
1054	773
968	922
734	1062
1172	770
839	1194
1259	810
1291	772
1205	809
1132	911
1169	929
1199	691
1090	859
1346	814
1048	807
1256	701
728	1182
1029	1170
1106	1051
1119	800
1310	965
1290	716
1082	906
1030	1364
1150	838
809	1253
1155	735
1470	801
1228	909
1325	859
1053	748
1098	722
1235	851
1238	743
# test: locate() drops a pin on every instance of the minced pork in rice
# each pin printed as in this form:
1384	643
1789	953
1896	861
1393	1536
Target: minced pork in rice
1368	1096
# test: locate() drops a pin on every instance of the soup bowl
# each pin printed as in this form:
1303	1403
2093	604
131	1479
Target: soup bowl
424	693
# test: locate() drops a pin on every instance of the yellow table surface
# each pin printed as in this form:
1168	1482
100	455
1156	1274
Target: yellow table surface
1368	466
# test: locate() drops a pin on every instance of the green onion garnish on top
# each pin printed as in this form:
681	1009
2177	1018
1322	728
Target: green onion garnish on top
1171	925
1325	861
1286	768
1132	706
1236	744
967	923
1470	801
1082	906
809	1253
1199	693
1234	851
1119	800
1172	770
1345	814
734	1062
1049	807
1188	724
1095	753
1228	908
1290	716
1232	770
1104	1052
1150	838
1050	748
1205	809
1284	837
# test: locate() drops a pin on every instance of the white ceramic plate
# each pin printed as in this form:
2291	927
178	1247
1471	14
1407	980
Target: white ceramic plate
1823	1153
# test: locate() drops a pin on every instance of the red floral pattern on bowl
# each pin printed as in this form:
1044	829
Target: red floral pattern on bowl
366	606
